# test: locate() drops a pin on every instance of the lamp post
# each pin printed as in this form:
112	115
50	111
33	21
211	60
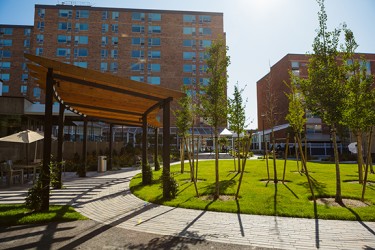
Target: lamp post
264	143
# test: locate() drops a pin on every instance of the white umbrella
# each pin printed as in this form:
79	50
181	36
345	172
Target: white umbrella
353	147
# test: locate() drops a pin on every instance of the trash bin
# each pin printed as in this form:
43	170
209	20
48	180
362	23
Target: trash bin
102	163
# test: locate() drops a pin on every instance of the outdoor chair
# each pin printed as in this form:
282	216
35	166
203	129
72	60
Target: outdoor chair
10	173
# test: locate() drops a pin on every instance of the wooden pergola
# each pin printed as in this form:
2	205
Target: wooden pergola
100	96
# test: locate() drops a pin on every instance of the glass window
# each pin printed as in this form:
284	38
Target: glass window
104	53
154	17
203	56
63	39
5	42
189	18
6	31
136	16
189	31
5	54
104	27
153	80
205	31
189	55
24	77
82	14
81	64
202	68
63	52
103	66
204	19
205	43
4	65
154	54
154	42
39	51
5	77
137	53
104	15
5	89
138	41
187	80
80	52
114	66
65	13
295	65
64	26
137	78
23	89
40	25
81	39
27	32
26	43
39	38
138	28
114	40
154	67
115	15
114	53
36	92
189	43
366	65
41	13
104	40
204	81
82	27
115	28
189	68
137	66
24	67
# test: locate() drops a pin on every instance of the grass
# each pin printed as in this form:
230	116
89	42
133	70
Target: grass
17	214
292	199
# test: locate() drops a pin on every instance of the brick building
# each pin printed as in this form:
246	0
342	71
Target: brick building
318	134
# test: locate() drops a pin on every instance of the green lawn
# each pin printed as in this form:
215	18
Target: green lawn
16	214
256	197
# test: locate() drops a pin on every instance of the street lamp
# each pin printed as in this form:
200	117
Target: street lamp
264	143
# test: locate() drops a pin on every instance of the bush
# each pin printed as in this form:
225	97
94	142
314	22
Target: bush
172	185
147	174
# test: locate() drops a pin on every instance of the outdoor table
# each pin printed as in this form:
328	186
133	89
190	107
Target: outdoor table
26	168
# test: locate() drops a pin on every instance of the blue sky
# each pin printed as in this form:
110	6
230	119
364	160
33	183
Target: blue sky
259	32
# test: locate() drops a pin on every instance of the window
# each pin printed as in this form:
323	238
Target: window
104	40
81	39
24	67
114	66
189	55
205	43
24	77
313	129
153	80
39	51
115	28
65	13
5	54
82	27
136	16
202	68
137	53
203	56
63	39
104	28
295	65
138	28
189	18
27	32
154	17
115	15
189	43
104	15
188	80
81	64
64	26
41	13
114	53
104	53
80	52
36	92
154	54
189	31
5	77
5	42
103	66
114	40
154	67
205	31
23	89
39	38
82	14
6	31
204	19
366	65
189	68
138	41
204	81
40	25
137	67
4	65
63	52
5	89
137	78
154	42
26	43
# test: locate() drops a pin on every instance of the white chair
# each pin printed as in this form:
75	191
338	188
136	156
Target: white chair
13	174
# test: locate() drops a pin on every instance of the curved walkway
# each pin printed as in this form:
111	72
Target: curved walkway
106	198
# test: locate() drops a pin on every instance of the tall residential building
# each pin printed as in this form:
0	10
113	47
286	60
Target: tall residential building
274	82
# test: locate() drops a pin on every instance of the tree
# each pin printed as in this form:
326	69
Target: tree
323	89
359	109
236	117
214	101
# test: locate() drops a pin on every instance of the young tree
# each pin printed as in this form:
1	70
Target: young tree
323	89
236	117
214	101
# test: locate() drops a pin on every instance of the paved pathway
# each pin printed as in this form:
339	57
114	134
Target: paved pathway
106	198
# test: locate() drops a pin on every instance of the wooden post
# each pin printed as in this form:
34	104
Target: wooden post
166	151
156	160
60	145
144	149
110	156
84	149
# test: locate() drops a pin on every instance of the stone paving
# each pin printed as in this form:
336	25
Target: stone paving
106	198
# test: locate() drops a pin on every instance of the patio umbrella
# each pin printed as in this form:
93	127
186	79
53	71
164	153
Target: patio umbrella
27	136
353	147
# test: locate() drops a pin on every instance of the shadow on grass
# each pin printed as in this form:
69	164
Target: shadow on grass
295	195
223	186
358	218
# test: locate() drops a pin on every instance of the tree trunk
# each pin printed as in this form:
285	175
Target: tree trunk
359	156
304	164
243	166
182	155
196	167
268	169
296	149
239	152
274	158
286	156
338	197
368	162
217	189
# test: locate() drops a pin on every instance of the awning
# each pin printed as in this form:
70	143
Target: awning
102	96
